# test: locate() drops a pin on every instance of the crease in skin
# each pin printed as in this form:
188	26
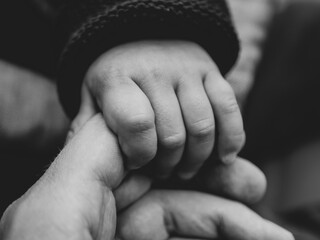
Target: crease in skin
176	218
132	188
204	222
170	223
106	231
98	233
110	174
96	144
143	221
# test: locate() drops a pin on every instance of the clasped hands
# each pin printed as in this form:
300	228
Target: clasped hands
91	191
86	194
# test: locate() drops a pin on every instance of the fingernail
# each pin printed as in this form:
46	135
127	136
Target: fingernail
229	158
132	166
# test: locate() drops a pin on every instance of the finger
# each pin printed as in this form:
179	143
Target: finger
85	173
231	135
242	181
133	187
83	177
170	128
194	215
199	122
93	152
129	114
87	110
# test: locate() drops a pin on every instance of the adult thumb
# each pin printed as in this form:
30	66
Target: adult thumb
73	199
86	111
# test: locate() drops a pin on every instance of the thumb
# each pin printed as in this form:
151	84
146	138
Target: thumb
86	111
92	153
73	199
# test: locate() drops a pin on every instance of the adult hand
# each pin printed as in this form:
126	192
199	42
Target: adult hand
241	181
74	200
192	215
158	94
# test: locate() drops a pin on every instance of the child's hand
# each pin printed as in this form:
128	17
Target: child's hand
165	95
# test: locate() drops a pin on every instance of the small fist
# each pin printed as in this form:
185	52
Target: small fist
164	99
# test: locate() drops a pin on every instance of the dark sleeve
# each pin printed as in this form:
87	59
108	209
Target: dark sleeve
87	28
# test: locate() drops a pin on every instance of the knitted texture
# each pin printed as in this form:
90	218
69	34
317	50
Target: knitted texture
88	28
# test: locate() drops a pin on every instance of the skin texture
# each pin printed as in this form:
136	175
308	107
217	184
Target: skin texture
165	99
77	198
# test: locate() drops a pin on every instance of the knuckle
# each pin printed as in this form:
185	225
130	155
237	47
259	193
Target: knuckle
108	72
147	72
234	142
139	124
156	73
230	106
202	129
237	140
105	77
175	141
213	71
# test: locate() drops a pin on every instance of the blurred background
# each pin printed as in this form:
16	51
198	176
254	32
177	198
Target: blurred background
276	80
